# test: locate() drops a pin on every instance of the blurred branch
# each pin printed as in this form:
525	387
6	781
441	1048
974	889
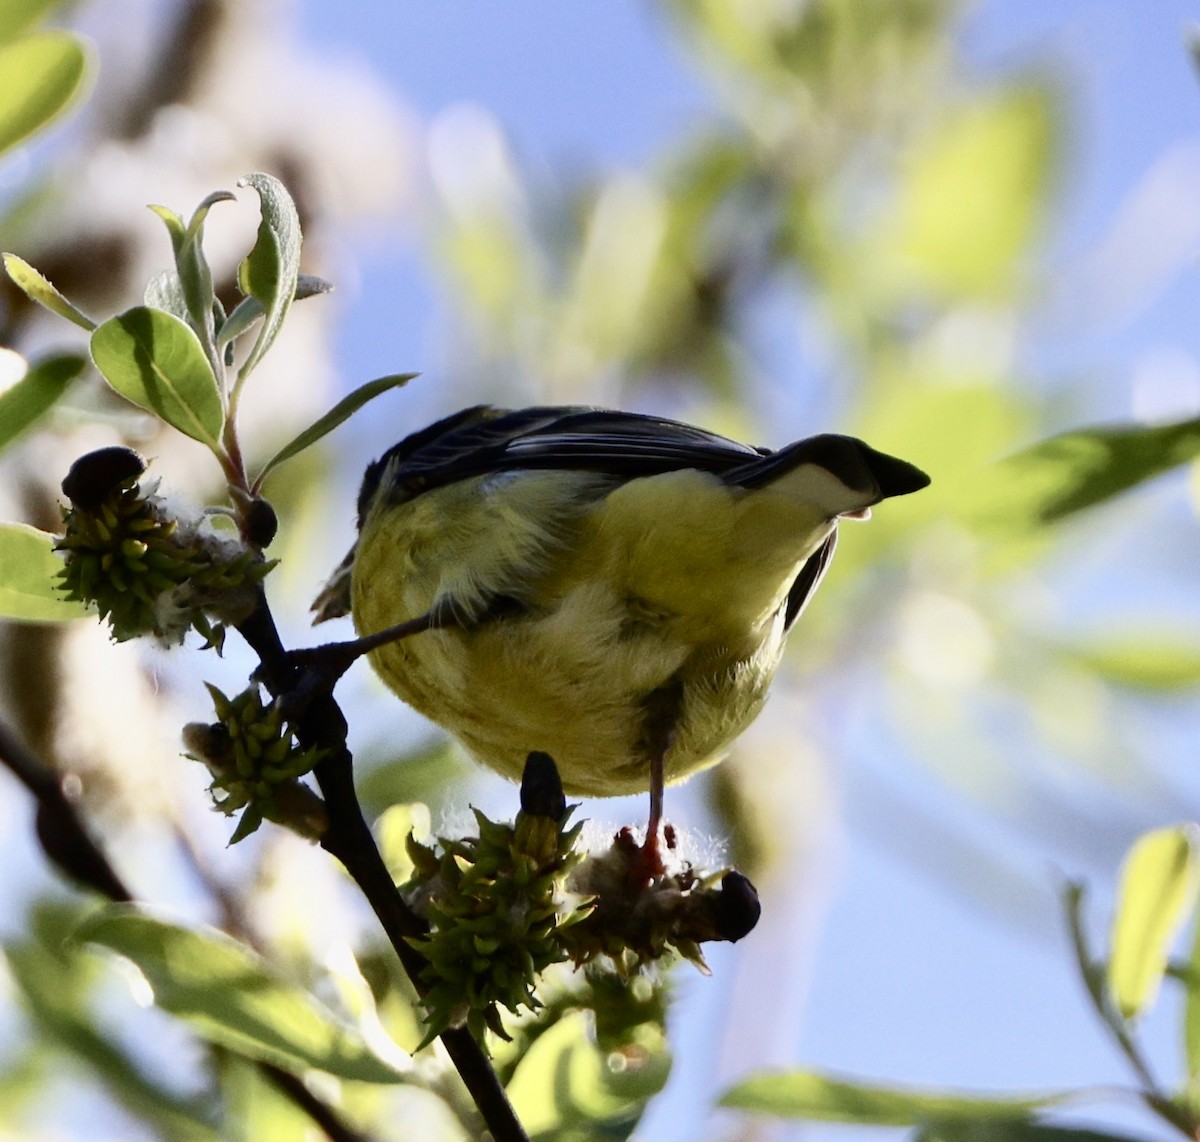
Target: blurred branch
74	853
322	725
181	57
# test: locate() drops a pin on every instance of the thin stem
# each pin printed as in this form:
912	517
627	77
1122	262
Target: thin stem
1093	979
321	724
1152	1093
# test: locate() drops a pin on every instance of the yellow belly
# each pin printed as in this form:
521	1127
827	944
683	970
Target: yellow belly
612	612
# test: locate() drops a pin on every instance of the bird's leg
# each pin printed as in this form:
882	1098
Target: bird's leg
320	667
662	711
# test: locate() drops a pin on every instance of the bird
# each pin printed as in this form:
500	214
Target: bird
611	588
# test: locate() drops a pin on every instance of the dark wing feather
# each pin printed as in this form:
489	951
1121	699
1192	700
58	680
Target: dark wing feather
809	579
481	441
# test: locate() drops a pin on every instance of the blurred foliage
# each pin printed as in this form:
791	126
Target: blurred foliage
852	177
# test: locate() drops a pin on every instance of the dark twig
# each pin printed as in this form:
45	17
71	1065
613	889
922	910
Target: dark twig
71	848
61	833
293	1088
321	724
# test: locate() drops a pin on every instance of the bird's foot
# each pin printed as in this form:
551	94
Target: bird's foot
647	862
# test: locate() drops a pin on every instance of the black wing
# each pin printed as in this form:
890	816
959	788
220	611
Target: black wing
809	579
482	440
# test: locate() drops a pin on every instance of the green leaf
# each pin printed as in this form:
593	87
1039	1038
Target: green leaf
155	360
1191	1015
250	309
968	1131
270	271
1077	470
37	288
564	1080
54	980
310	285
28	566
165	291
344	409
194	276
43	74
388	779
36	392
230	996
972	196
824	1098
17	16
1156	893
241	317
1154	658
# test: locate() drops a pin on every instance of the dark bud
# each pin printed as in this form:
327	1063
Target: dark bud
541	788
260	523
738	908
94	476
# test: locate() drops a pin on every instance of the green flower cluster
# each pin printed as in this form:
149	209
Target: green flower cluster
256	765
147	570
504	906
496	906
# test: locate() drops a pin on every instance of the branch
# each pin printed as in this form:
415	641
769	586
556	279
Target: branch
74	853
321	724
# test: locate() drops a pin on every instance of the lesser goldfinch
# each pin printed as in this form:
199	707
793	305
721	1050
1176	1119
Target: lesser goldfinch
610	588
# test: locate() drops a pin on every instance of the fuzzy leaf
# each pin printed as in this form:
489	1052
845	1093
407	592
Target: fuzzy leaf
36	393
1156	893
194	277
231	997
250	309
165	291
37	288
155	360
43	74
343	410
270	271
28	566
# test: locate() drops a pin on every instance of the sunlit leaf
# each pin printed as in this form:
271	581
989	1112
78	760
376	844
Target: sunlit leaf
1154	658
1157	891
43	75
392	830
343	410
824	1098
37	288
155	360
36	393
564	1080
17	16
229	996
972	196
28	567
193	276
270	271
1077	470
